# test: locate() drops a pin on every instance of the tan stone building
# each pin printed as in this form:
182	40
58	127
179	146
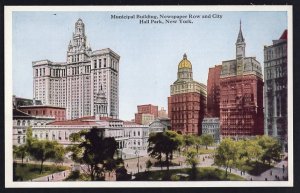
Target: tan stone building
74	84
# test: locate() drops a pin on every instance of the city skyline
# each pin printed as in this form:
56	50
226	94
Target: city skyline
143	48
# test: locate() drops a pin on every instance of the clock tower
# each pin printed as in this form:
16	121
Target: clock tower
240	51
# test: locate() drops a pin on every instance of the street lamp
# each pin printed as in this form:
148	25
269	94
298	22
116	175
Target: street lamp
138	164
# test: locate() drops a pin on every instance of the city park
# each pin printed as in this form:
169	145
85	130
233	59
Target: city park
170	157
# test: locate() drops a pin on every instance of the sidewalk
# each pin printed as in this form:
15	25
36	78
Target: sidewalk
59	176
269	175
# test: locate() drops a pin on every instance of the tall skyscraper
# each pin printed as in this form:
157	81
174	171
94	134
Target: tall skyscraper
275	75
241	94
213	91
75	84
187	103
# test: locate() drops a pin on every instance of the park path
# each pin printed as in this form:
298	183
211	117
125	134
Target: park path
58	176
268	175
207	161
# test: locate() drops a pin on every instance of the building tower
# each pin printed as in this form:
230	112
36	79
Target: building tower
78	74
187	103
241	94
213	91
74	84
100	104
275	90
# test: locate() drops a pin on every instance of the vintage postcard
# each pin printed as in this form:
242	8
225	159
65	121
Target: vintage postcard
148	96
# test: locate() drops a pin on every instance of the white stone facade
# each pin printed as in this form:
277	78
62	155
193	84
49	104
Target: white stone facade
128	135
22	121
75	83
211	126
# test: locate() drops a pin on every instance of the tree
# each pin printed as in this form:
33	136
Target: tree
155	146
20	151
192	161
148	164
198	142
171	143
60	152
271	148
188	141
23	150
207	140
226	154
249	150
164	143
95	151
29	138
43	150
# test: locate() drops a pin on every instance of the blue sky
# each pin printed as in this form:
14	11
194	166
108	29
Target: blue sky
149	53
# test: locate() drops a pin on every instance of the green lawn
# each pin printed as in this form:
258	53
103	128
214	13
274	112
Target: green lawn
31	171
203	174
206	151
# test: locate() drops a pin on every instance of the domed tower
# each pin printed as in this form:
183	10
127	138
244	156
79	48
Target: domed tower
187	103
185	69
100	104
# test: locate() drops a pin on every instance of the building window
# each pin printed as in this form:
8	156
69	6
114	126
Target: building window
104	62
95	63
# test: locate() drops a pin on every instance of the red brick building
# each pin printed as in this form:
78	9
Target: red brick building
45	111
148	109
146	114
241	95
187	103
213	91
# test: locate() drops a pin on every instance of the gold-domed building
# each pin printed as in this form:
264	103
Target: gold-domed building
187	103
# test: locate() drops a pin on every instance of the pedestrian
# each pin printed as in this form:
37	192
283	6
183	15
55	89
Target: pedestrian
251	179
271	172
52	177
126	165
48	178
283	167
266	179
64	174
